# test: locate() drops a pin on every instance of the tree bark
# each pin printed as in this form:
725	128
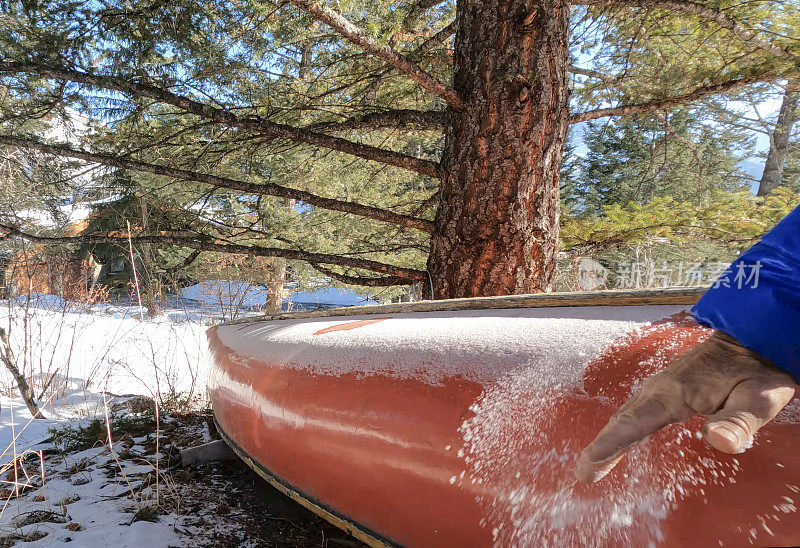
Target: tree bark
779	143
496	229
275	288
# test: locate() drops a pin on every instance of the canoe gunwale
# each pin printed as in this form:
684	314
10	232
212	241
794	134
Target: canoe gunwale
639	297
327	513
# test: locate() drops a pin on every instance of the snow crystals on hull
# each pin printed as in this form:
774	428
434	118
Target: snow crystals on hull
476	345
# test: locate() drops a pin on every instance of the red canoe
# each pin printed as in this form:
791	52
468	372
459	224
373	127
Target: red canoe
462	427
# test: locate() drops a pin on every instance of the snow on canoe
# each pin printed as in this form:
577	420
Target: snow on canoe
462	427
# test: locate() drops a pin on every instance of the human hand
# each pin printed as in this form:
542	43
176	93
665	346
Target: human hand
739	390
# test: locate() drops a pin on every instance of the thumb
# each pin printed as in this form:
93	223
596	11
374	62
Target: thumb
750	405
642	415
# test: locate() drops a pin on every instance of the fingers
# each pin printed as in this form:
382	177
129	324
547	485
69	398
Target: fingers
751	405
641	416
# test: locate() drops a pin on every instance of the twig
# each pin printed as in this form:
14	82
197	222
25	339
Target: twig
158	494
7	356
111	448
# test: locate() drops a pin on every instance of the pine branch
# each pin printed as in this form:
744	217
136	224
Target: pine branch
420	50
416	12
362	38
704	12
593	74
658	104
256	124
267	189
203	242
402	118
433	199
382	281
433	41
185	263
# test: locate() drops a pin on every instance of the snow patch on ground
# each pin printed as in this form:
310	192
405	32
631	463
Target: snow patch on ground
326	297
223	293
240	295
80	505
76	350
77	357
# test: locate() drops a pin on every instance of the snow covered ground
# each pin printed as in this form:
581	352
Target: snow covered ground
88	366
74	351
79	360
79	504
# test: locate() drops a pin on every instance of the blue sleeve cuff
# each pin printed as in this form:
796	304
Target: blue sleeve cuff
757	300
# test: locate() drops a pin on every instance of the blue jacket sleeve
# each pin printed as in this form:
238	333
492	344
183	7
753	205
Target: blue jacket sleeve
757	300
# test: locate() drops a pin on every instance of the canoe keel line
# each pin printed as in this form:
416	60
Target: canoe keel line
460	426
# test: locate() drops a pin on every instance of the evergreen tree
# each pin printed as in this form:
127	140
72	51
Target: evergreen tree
643	157
366	116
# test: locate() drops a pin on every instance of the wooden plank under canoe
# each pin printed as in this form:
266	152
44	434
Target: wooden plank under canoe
445	424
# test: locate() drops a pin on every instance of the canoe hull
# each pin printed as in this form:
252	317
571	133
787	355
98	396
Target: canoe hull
463	437
344	439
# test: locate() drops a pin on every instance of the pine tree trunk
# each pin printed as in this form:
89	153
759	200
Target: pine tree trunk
148	277
497	222
779	143
275	287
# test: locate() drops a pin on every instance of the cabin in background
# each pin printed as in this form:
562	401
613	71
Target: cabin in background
70	275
